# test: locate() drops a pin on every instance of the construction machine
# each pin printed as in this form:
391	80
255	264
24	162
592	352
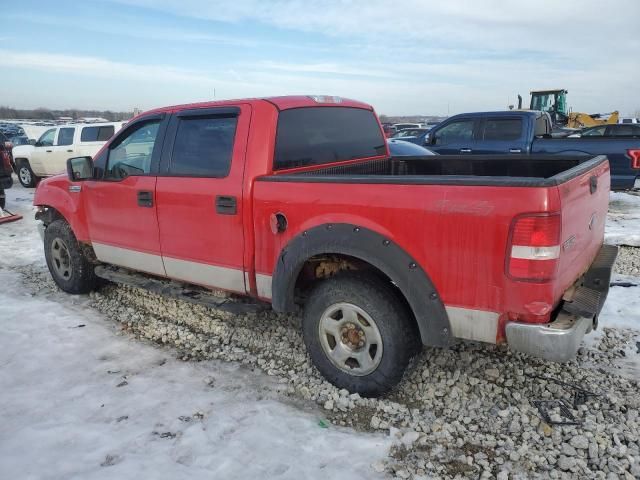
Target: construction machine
554	102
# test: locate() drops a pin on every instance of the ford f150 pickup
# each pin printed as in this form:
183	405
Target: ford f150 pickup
529	132
296	201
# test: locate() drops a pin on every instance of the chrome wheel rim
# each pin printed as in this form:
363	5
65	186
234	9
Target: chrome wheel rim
350	339
25	175
61	259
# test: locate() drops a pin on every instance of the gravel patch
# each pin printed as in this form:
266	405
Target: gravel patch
628	261
462	412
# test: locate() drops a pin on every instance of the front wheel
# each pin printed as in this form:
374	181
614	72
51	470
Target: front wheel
25	175
70	269
359	333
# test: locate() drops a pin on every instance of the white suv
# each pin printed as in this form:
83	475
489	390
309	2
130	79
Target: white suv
49	155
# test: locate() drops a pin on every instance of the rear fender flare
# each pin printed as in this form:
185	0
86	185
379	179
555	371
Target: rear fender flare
378	251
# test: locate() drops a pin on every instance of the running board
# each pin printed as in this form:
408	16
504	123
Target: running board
180	291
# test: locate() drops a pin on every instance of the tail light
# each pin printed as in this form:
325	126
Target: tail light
534	247
635	158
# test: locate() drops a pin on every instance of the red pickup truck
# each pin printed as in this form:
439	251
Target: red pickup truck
297	201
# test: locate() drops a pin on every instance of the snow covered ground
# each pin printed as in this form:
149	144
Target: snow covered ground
78	400
623	220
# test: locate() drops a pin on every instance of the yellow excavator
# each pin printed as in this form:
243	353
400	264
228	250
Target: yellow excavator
554	102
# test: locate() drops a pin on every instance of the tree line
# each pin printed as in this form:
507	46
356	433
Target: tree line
9	113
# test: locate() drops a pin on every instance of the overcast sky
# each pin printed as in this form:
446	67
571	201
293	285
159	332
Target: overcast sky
409	57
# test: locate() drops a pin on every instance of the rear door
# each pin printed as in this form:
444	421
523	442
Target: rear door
455	138
199	193
502	135
120	203
56	162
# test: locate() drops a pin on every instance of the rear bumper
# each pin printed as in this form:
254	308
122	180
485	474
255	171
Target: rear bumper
559	340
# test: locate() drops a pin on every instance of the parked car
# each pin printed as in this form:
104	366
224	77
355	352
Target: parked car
413	135
614	130
388	129
11	129
5	168
297	201
48	156
528	133
402	126
401	148
628	120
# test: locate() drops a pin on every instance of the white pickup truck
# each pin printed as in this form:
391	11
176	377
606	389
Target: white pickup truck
48	156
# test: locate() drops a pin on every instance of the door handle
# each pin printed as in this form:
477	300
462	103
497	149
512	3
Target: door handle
465	150
515	150
145	198
69	151
226	205
49	151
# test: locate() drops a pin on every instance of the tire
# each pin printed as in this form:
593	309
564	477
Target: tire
26	176
68	266
3	199
337	310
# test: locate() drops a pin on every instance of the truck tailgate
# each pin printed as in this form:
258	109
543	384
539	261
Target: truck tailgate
584	200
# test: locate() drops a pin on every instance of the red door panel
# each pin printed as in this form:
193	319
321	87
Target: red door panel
201	218
122	231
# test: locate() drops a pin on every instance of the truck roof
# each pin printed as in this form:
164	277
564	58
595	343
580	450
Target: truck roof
518	113
281	103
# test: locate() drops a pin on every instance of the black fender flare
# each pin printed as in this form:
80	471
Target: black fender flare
373	248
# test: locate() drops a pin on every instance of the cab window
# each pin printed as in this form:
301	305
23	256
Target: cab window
97	134
131	153
503	129
203	146
47	138
595	132
65	136
458	131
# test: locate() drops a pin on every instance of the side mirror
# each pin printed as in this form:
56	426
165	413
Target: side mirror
79	169
32	141
427	139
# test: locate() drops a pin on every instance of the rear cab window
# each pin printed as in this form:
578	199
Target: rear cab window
319	135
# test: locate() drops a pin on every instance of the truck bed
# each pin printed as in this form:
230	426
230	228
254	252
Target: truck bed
452	214
493	170
623	175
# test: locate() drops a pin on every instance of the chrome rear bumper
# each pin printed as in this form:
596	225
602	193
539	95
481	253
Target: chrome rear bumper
559	340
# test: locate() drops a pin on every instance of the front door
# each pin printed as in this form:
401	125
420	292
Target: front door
454	138
199	193
120	203
42	152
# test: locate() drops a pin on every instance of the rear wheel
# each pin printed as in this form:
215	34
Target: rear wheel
69	268
3	199
359	333
25	175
